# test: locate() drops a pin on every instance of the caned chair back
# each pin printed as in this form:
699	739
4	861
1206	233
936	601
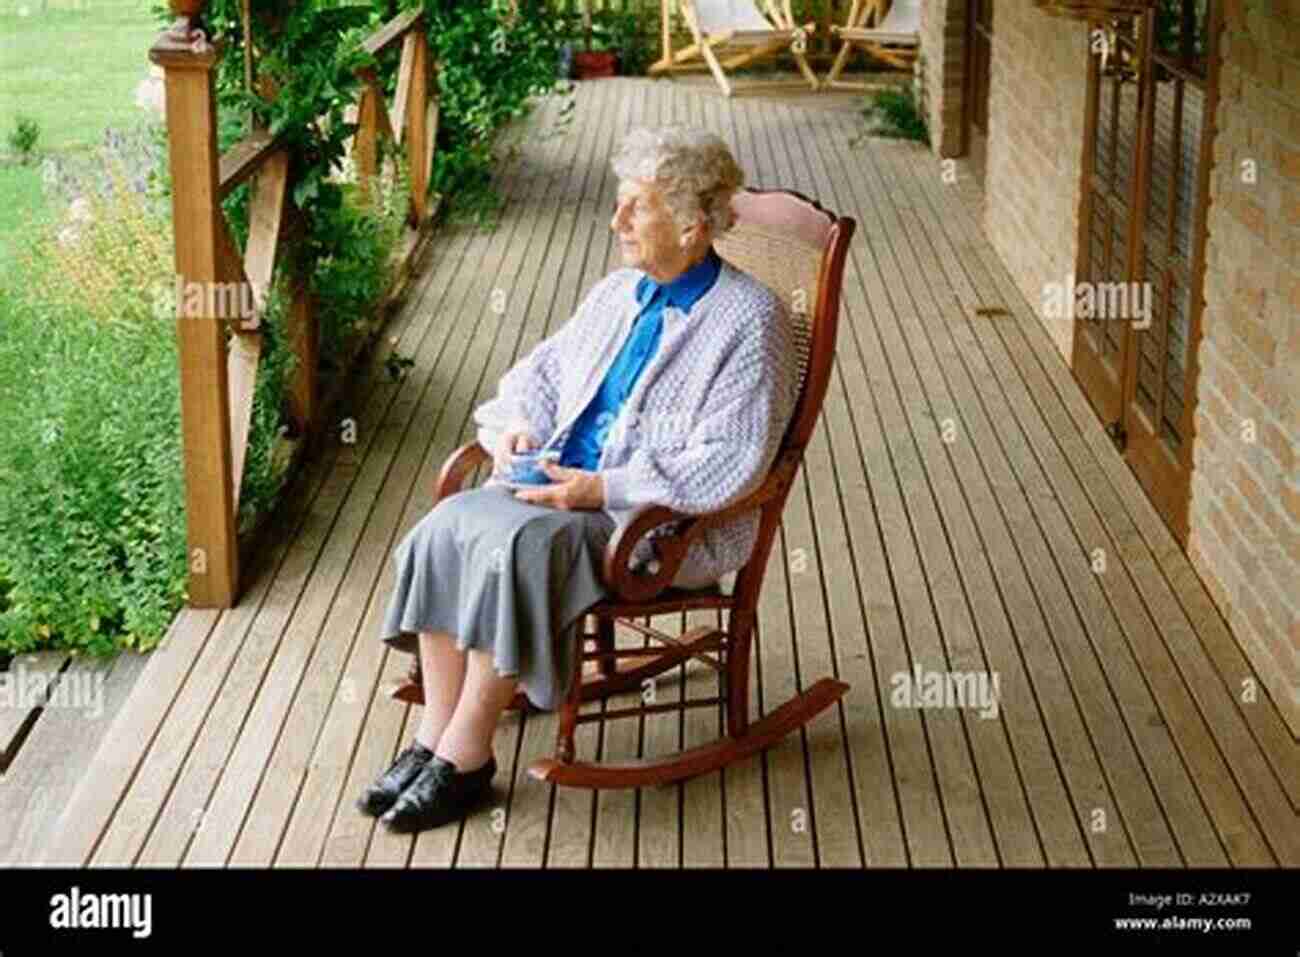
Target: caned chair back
796	248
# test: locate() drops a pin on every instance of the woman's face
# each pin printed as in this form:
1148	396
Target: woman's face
647	234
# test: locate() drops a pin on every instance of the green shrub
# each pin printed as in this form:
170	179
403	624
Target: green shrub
488	73
92	507
23	137
894	112
368	226
90	484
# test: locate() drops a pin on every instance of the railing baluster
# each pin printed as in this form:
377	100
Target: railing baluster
405	73
365	141
304	339
418	147
372	126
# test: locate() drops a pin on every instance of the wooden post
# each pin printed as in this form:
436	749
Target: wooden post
372	127
303	333
210	503
666	32
304	339
365	147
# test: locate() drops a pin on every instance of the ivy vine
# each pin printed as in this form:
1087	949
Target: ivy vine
491	59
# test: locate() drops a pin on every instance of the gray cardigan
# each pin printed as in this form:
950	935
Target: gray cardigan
703	424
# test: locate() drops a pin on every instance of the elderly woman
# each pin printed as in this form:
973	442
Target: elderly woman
671	385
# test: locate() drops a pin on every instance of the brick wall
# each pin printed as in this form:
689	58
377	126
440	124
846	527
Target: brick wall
1245	511
1037	95
942	62
1036	111
1244	536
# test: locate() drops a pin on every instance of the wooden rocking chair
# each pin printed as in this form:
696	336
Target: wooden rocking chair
894	40
798	249
735	23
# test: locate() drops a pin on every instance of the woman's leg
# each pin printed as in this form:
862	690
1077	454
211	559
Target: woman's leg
467	738
442	666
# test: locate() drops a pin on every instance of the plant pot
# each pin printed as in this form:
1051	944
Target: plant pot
590	64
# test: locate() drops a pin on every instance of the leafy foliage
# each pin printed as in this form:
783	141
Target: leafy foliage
894	112
622	31
489	68
1172	31
23	137
90	480
91	486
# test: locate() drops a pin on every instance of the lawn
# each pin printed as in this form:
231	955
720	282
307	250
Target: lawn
74	68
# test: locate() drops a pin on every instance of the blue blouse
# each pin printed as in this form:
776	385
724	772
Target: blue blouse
587	437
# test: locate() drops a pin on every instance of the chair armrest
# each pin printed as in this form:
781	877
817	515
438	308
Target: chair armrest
459	464
671	550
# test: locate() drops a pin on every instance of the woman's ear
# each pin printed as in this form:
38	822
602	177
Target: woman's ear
691	234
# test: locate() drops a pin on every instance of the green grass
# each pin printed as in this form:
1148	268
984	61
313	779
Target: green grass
20	199
74	71
74	68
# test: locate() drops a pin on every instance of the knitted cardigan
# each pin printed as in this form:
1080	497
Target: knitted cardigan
700	429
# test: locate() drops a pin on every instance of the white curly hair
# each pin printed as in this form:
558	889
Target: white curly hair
693	168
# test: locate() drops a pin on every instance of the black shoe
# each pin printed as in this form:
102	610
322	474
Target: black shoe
440	795
381	795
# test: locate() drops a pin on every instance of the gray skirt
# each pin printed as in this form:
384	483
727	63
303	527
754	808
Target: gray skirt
503	576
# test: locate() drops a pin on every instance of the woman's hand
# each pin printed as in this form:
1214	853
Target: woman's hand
511	442
570	489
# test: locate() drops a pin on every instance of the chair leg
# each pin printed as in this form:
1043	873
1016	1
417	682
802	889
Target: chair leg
807	71
411	688
568	723
605	642
750	55
841	61
711	58
741	634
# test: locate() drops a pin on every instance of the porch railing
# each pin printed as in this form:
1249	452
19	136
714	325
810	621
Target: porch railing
219	337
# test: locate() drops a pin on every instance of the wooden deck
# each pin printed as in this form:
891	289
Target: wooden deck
955	506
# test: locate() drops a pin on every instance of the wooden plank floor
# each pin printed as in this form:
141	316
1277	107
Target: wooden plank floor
949	517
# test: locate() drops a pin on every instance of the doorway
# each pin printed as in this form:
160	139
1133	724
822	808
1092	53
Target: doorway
1148	135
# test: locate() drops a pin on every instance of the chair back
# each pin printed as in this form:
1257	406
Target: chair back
797	248
904	16
715	16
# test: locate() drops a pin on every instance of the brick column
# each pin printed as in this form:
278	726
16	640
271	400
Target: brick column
943	66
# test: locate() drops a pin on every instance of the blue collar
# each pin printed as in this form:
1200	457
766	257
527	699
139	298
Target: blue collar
684	291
